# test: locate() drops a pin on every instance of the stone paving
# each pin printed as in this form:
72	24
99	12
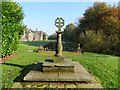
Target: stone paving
56	85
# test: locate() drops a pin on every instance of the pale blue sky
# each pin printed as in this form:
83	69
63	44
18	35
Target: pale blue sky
41	15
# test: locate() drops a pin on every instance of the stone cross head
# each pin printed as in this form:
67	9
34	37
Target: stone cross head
59	22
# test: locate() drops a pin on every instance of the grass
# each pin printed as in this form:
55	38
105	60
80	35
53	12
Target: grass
103	67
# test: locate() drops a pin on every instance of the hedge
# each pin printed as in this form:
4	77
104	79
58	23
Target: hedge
12	27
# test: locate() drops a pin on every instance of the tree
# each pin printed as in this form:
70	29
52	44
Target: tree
93	16
71	36
12	26
68	32
53	37
102	20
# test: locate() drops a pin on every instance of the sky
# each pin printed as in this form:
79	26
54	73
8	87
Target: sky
42	15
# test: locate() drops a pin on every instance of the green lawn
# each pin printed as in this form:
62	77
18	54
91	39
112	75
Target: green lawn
103	67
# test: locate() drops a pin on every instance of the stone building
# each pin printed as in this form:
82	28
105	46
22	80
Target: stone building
31	35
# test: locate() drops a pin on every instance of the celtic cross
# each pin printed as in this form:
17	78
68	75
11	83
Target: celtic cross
59	22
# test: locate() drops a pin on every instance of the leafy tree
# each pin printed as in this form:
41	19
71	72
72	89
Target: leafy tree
53	37
98	30
93	16
71	36
68	32
12	26
102	20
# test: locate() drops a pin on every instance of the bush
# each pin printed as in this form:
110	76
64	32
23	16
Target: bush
12	27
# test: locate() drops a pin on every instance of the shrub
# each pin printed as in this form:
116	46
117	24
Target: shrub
12	27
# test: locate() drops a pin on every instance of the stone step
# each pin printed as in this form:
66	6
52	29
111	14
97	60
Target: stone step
80	78
79	75
66	65
55	85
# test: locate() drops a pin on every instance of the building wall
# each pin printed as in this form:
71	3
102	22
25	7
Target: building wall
30	36
34	36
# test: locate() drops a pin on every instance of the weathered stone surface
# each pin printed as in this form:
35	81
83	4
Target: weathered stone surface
61	85
71	85
58	59
41	76
79	74
30	36
56	85
89	85
63	66
53	85
59	47
59	22
78	49
17	85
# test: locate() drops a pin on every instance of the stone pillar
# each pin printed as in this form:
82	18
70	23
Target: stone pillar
59	22
59	44
78	49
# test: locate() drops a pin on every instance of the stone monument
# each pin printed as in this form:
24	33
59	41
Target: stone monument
78	49
59	69
59	22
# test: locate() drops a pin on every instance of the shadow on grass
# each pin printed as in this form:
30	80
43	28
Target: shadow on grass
26	69
36	43
16	65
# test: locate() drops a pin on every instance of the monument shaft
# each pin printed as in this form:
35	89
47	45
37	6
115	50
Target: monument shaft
59	44
59	22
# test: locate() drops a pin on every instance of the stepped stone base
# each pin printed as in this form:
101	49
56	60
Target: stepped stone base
66	65
79	74
65	74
